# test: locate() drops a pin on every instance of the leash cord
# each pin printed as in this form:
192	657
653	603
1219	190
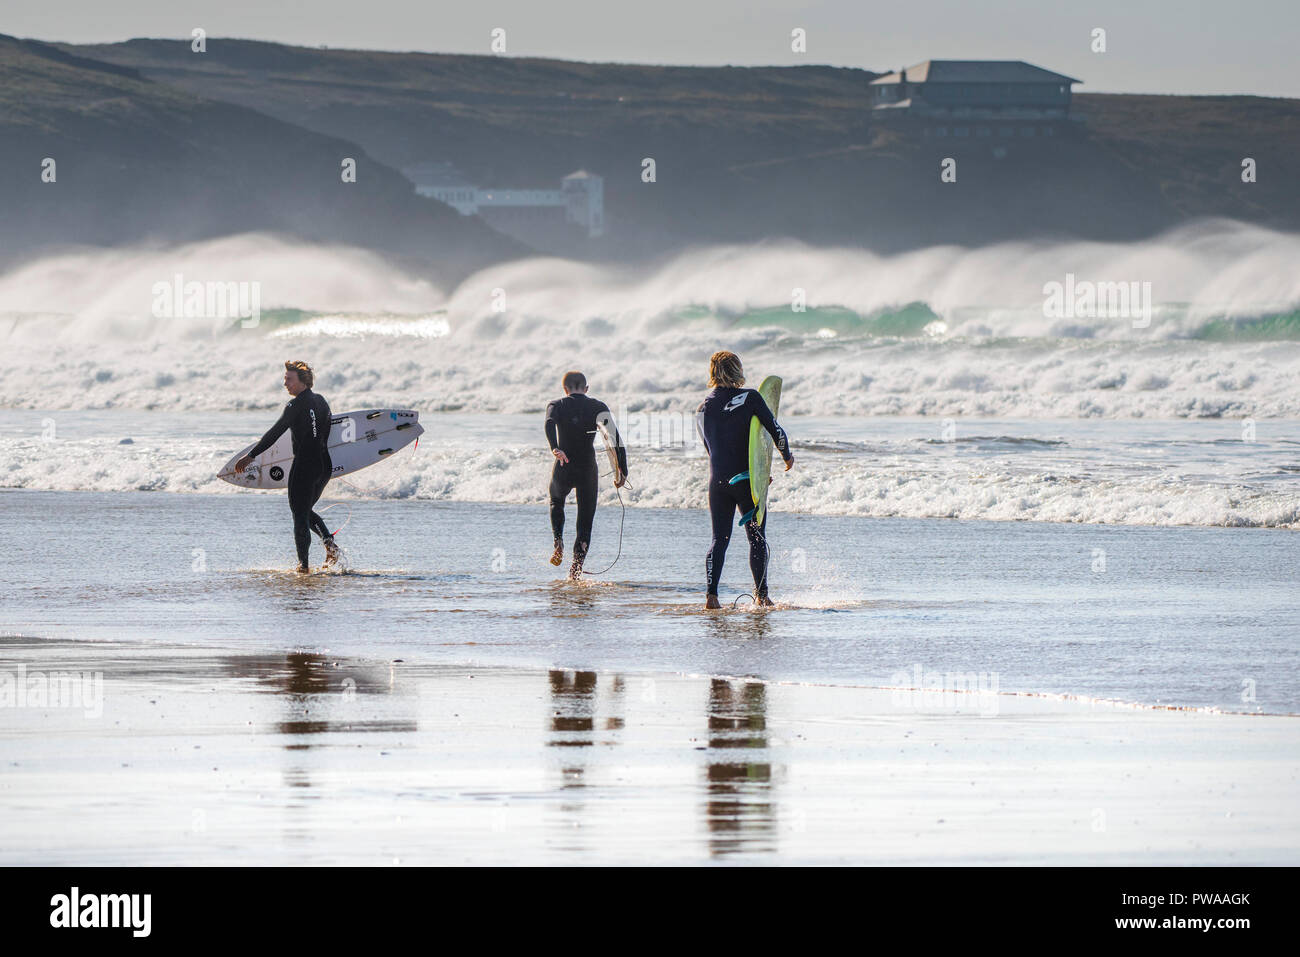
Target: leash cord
621	517
345	521
767	562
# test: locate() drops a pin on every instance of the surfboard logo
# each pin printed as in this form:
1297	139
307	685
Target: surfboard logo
277	473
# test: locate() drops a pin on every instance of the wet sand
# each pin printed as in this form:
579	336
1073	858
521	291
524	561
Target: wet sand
203	755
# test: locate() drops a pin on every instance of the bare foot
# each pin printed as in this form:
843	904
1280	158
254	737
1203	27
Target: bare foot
575	571
557	556
711	603
303	569
763	600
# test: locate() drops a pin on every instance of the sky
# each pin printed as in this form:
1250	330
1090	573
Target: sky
1152	46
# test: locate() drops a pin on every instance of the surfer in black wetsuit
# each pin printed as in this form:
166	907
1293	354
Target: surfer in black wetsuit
307	417
570	430
723	423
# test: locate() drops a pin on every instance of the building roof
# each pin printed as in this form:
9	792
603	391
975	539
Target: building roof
975	71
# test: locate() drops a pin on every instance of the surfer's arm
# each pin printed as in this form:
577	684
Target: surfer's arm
552	427
553	435
274	432
779	438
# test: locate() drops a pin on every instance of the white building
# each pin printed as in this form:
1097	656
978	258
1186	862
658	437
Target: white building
580	200
585	194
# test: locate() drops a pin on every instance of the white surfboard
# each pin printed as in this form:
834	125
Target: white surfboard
357	439
604	425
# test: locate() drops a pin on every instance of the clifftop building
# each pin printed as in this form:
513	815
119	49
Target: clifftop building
1011	96
532	215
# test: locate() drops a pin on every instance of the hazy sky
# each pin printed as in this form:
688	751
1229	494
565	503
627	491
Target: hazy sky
1154	46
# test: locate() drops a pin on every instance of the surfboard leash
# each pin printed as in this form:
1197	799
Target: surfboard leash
345	521
621	517
767	563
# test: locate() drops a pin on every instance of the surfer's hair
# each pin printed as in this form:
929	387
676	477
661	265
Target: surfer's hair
725	370
574	381
305	375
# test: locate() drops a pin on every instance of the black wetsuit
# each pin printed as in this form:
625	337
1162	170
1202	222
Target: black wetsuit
723	422
570	427
307	416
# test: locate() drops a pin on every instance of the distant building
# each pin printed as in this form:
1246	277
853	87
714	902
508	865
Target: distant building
975	97
524	213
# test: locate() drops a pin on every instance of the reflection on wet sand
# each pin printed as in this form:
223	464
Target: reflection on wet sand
574	722
573	705
311	683
739	810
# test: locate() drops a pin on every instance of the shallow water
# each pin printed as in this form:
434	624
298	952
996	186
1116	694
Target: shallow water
1195	617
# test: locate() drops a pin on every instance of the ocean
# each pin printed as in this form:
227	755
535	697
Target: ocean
966	465
1078	524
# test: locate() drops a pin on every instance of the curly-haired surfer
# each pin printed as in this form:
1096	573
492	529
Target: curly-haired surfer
723	423
307	417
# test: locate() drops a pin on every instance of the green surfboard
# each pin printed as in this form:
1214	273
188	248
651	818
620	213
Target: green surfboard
760	447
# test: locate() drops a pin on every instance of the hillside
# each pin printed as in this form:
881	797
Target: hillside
742	153
143	161
745	153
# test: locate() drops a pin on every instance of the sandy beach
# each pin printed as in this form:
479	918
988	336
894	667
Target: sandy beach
208	756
